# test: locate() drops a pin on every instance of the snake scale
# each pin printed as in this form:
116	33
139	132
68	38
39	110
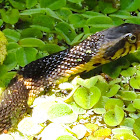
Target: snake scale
47	72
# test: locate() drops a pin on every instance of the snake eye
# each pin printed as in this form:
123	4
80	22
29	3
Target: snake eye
131	38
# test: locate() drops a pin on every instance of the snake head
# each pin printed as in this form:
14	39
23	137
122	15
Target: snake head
120	41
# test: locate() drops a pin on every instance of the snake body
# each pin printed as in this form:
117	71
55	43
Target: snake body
49	71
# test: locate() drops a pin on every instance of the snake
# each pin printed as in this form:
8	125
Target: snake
48	72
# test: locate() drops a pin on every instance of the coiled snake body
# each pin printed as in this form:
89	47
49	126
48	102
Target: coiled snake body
48	72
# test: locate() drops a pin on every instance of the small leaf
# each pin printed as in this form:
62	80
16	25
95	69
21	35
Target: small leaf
128	122
135	82
136	103
114	117
52	4
113	90
66	31
128	72
31	42
53	48
11	16
77	20
137	127
17	4
127	95
30	3
23	55
12	35
87	99
112	102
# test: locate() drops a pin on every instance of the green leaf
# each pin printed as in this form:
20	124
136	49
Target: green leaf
114	117
128	122
77	20
137	127
12	47
31	42
31	32
112	102
135	82
52	4
87	98
91	14
136	103
113	90
128	72
43	20
17	4
100	21
130	5
23	55
121	14
59	110
53	48
66	31
30	3
88	83
11	16
10	61
12	35
64	13
127	95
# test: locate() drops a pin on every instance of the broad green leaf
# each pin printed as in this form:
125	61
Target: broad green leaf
31	3
122	130
64	13
61	113
77	20
10	61
137	127
136	103
112	102
43	20
31	42
66	31
127	95
113	90
103	86
91	14
106	7
88	83
87	98
77	39
17	4
23	55
135	82
11	16
128	72
31	32
52	4
114	117
77	108
130	5
128	122
100	21
12	35
121	14
53	48
12	47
